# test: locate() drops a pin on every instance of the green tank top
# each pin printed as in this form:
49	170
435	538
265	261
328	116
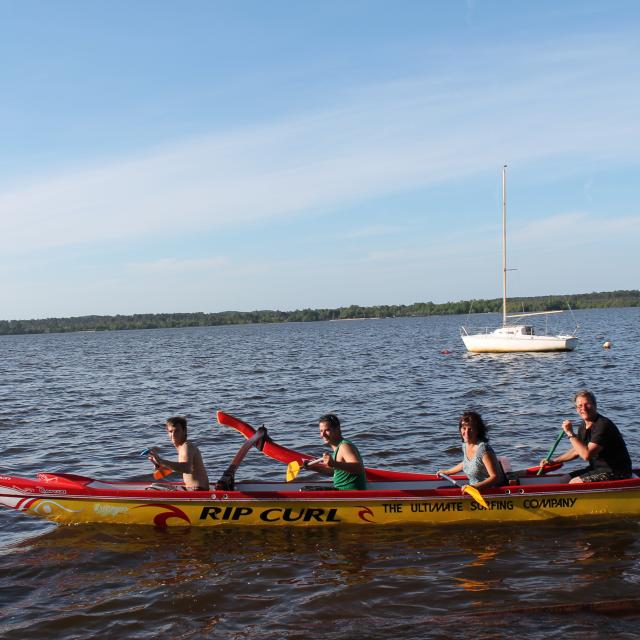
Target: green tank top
344	480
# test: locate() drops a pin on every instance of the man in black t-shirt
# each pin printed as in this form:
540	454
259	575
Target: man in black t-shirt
598	441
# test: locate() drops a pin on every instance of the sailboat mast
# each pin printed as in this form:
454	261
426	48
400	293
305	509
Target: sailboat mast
504	245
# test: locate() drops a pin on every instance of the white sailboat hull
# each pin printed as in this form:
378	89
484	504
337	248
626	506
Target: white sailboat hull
494	342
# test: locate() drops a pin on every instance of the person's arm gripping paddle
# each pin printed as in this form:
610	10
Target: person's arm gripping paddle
293	468
571	454
547	459
159	472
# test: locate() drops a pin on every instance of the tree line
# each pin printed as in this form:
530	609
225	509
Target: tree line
173	320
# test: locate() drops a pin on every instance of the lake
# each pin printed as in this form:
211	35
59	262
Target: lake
88	403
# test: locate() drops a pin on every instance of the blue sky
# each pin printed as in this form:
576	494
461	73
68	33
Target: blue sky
206	156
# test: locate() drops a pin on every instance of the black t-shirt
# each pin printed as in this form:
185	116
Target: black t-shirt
614	455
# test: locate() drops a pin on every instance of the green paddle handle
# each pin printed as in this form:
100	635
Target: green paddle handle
552	450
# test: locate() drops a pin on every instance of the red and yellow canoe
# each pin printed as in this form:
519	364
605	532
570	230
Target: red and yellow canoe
72	499
391	498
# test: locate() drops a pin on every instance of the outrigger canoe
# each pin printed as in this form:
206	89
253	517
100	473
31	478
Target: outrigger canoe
73	499
415	499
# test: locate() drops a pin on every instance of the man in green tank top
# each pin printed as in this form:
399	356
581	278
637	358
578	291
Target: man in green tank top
344	463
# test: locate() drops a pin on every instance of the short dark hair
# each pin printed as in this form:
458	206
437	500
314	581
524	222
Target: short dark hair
475	420
332	420
585	393
178	421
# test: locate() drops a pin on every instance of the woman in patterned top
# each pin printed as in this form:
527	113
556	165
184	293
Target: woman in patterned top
479	460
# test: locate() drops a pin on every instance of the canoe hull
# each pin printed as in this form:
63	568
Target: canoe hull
279	504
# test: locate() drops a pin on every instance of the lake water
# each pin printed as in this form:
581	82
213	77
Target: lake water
88	403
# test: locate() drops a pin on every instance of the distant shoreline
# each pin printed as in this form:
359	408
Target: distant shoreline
603	299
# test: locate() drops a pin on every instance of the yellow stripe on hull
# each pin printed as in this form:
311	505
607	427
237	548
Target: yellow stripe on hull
318	512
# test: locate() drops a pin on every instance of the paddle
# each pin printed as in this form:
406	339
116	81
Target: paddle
466	488
551	451
293	468
159	472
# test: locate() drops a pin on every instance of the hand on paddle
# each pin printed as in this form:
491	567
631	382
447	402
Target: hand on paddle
154	457
293	468
160	471
567	428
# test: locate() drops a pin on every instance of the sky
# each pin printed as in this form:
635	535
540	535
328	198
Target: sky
160	156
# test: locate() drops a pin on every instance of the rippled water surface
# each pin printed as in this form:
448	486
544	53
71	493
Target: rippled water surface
89	402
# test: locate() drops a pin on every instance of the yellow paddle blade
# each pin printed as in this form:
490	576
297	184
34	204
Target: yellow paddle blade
476	495
293	469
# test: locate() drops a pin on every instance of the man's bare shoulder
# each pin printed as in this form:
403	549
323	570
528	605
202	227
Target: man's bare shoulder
347	450
187	450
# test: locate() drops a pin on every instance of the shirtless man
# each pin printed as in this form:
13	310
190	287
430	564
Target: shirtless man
344	463
189	463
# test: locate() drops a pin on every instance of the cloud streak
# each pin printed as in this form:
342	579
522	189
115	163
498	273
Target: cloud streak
175	265
380	140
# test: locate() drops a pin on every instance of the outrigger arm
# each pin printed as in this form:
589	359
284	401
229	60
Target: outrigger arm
228	479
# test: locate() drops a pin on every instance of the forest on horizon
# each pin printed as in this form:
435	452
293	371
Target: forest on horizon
622	298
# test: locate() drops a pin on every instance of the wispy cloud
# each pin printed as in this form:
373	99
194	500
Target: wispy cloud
372	231
379	140
174	265
576	228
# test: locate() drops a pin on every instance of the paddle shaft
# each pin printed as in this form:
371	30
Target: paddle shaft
450	479
306	463
552	450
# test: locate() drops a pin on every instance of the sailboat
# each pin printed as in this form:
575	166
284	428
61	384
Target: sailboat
513	338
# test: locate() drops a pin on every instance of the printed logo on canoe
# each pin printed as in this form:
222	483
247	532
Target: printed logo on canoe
45	477
109	509
366	515
170	511
22	489
272	514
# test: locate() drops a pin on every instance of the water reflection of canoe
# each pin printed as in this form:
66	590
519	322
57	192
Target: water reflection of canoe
72	499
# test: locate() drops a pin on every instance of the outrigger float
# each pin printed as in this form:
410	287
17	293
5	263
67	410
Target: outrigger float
392	498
